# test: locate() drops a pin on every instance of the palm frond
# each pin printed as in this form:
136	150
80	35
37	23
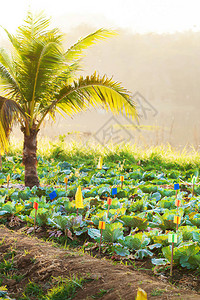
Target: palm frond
15	43
8	83
98	91
6	61
8	78
47	60
95	91
9	112
6	118
35	26
3	140
77	50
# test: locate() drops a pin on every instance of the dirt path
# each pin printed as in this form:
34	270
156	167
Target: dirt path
40	260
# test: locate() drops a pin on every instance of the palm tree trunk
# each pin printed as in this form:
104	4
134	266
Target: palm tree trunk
30	158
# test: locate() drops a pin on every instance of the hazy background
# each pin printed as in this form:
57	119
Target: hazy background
160	68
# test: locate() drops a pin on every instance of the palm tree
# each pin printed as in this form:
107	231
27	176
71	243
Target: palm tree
39	78
3	140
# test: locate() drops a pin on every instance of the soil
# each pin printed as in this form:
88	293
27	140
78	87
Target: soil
38	261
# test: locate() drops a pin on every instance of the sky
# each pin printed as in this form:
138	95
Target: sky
141	16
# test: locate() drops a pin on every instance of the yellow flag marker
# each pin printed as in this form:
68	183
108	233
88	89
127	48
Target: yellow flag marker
1	153
177	219
8	179
100	163
79	199
66	181
141	294
102	226
122	181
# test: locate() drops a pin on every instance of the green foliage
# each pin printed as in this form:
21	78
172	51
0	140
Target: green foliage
100	294
136	224
137	205
6	266
113	232
71	222
149	188
161	239
159	261
42	216
190	233
94	234
186	254
134	221
195	219
136	241
33	289
65	288
120	249
168	203
157	292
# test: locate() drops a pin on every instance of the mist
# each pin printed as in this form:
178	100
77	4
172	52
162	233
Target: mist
162	73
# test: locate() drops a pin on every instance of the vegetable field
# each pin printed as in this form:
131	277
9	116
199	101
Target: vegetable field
140	216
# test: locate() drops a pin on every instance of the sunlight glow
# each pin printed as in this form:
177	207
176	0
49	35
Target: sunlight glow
136	15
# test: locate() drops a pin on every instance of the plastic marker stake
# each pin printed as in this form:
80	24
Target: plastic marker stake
193	183
35	206
114	191
172	238
100	163
176	188
122	181
8	180
141	294
109	202
53	195
193	179
79	199
177	219
66	181
178	203
102	226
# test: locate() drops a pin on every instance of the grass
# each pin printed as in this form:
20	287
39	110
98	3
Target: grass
6	267
157	292
153	156
100	294
62	289
65	288
33	289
